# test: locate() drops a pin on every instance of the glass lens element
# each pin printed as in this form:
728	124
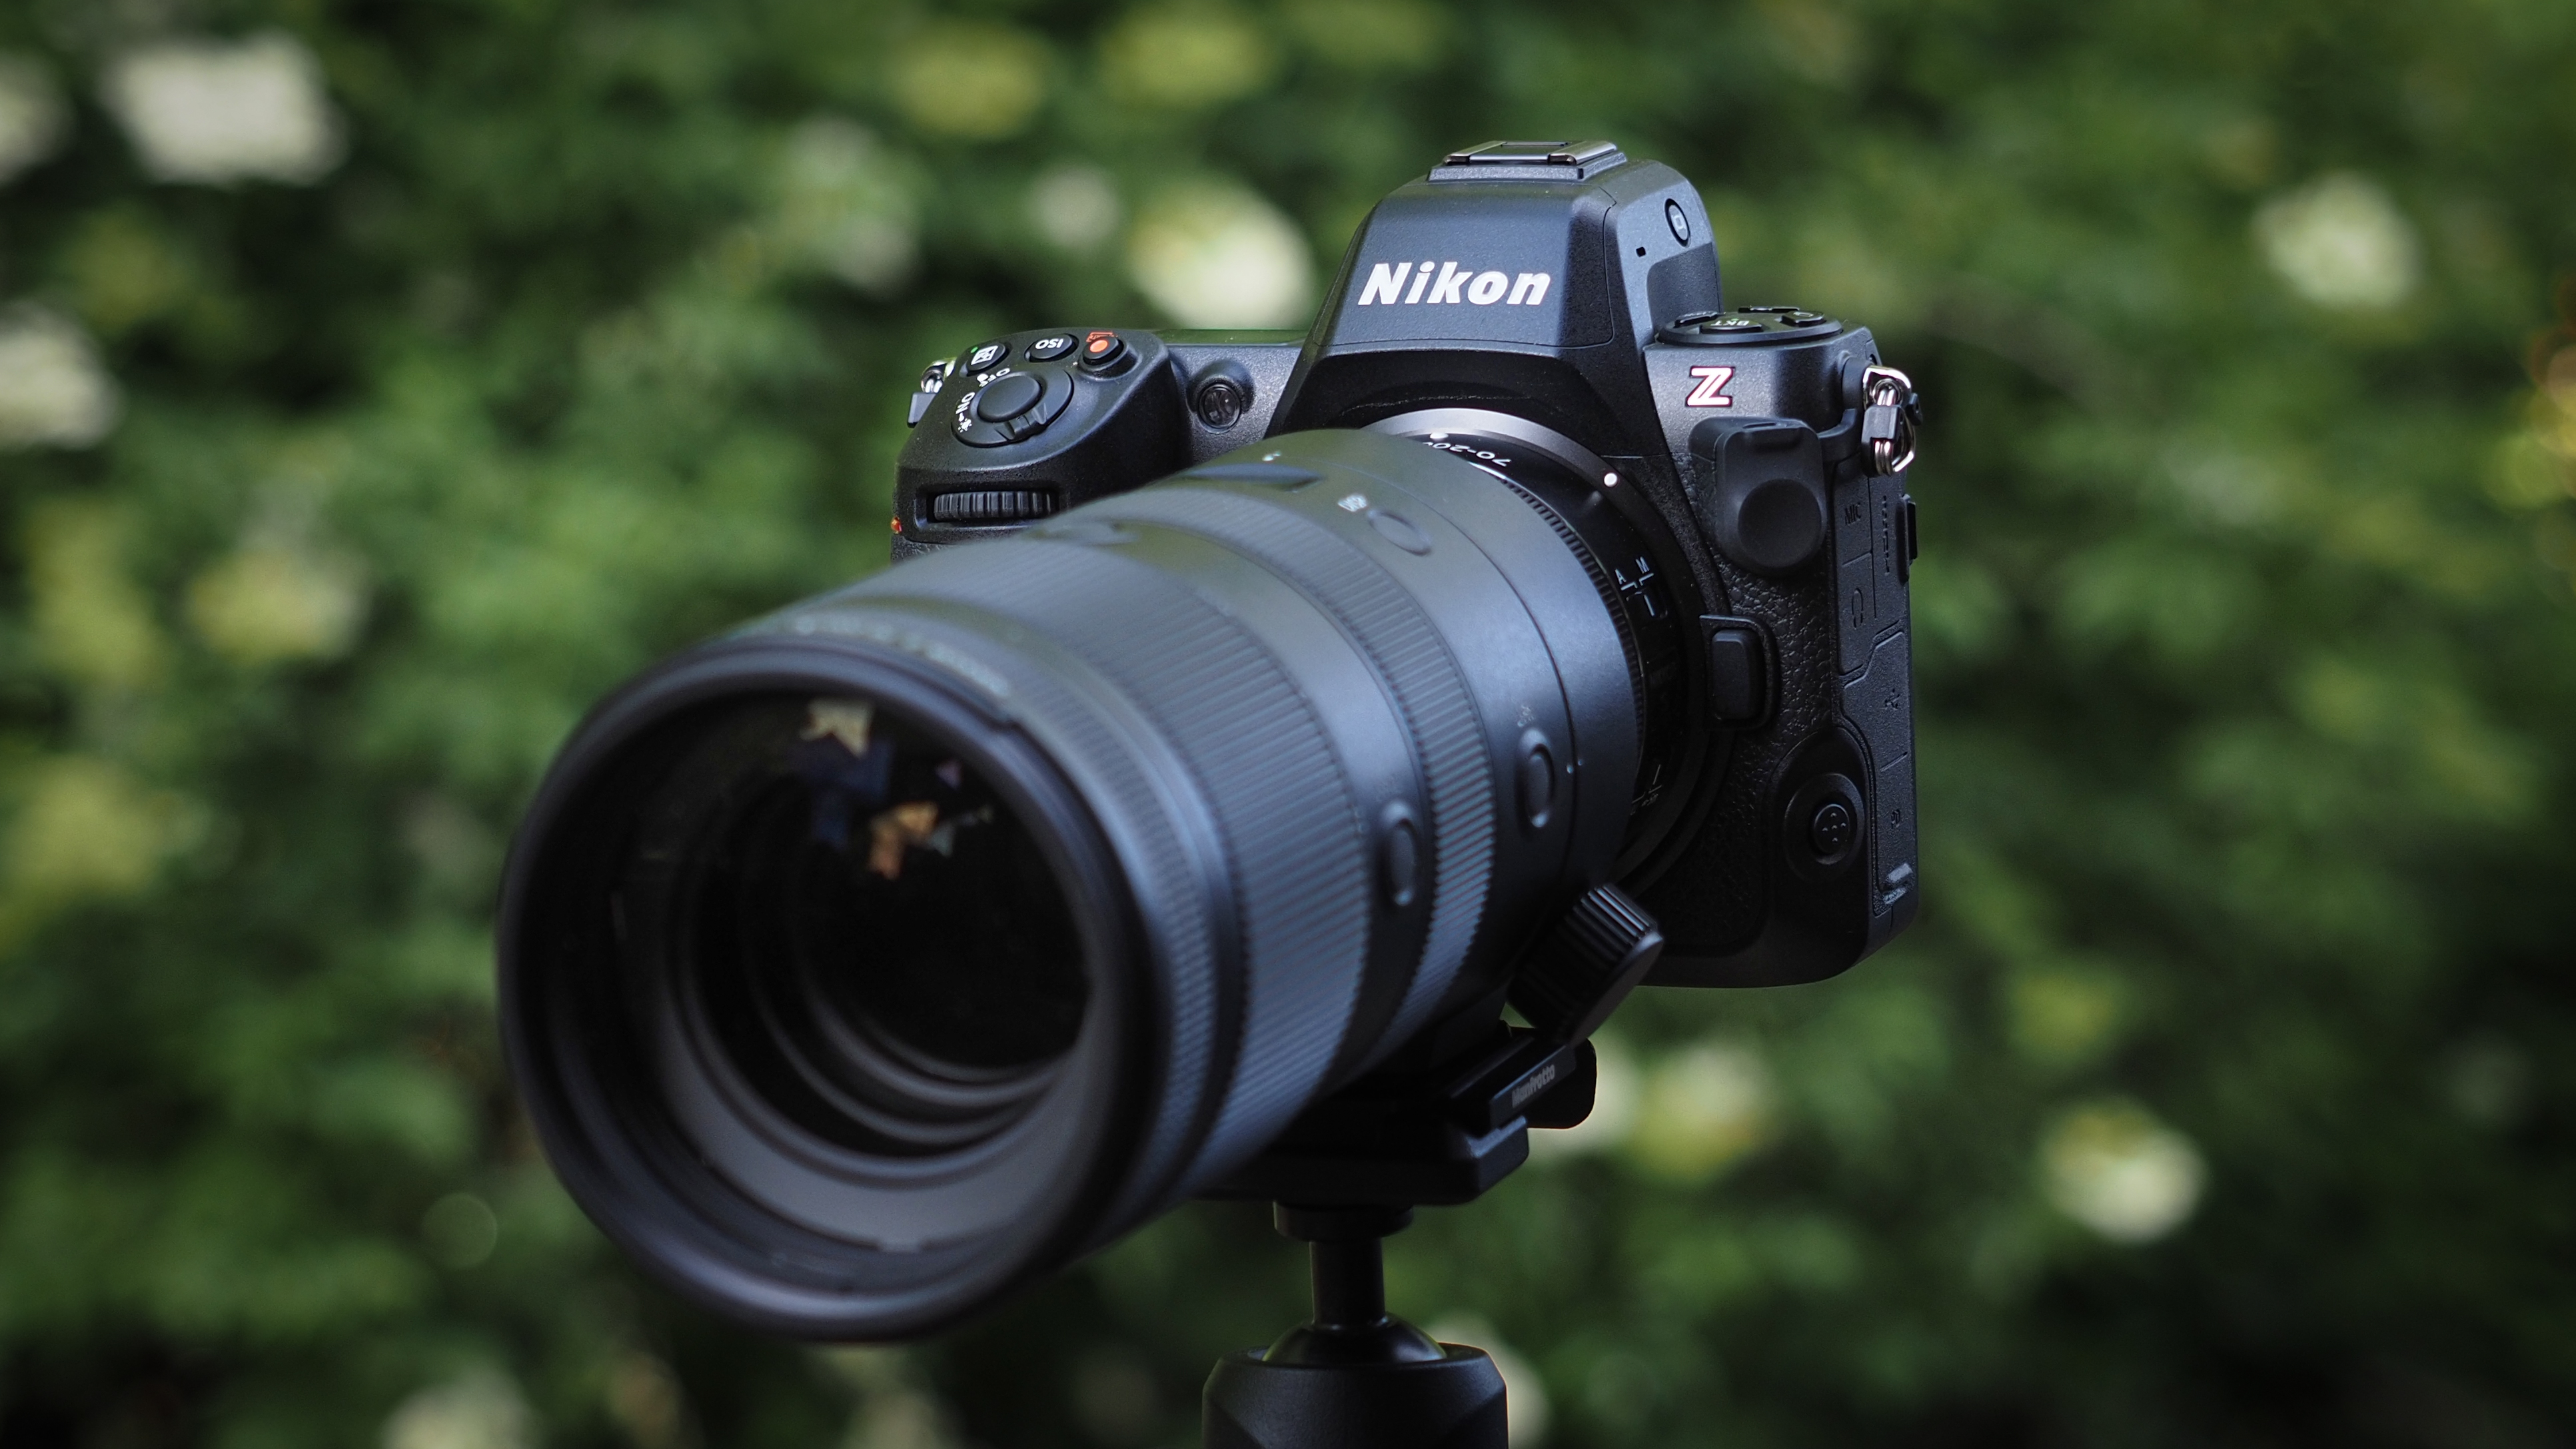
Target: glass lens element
858	924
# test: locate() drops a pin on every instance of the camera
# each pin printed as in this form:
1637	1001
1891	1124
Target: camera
1249	722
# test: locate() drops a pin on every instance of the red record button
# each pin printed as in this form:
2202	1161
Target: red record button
1102	348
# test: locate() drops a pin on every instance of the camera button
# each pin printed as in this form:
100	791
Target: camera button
1536	782
1397	529
1830	829
1048	349
1100	349
1399	857
987	355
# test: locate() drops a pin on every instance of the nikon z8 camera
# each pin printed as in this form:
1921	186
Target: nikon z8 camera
1266	762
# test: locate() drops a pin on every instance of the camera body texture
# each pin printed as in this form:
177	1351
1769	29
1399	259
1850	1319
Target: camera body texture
1555	308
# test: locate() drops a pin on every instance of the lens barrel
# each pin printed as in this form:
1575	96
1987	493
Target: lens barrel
864	964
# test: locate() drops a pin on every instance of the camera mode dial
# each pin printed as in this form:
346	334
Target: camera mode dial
1011	406
1746	324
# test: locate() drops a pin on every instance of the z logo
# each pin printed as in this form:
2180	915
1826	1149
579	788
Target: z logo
1711	392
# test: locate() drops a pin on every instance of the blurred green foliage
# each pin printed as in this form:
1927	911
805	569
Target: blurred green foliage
474	353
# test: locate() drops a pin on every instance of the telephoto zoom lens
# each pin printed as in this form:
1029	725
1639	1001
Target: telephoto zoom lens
867	963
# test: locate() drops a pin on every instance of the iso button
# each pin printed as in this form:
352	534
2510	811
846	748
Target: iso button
1011	407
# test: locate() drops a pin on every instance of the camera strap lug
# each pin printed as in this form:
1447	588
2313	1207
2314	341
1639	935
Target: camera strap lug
1892	415
926	391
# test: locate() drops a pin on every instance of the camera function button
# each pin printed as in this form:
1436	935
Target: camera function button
1536	779
1396	529
1102	349
1679	221
1830	829
1221	403
1822	829
1739	670
1051	347
987	355
1399	857
1221	394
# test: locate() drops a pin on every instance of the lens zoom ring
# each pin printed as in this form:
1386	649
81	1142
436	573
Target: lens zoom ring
1404	645
1295	847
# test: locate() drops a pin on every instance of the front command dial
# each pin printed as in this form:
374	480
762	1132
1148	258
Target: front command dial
1011	405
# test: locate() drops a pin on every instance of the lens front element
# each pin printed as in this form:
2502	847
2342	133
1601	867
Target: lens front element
858	925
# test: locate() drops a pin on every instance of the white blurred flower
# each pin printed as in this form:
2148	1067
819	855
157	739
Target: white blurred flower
1187	54
53	392
480	1410
2340	242
275	599
972	79
1614	1107
1213	254
219	111
2117	1170
1524	1392
1702	1108
87	829
1075	206
846	205
646	1400
895	1408
32	115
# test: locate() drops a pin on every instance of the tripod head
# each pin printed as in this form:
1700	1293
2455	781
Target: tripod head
1434	1129
1354	1376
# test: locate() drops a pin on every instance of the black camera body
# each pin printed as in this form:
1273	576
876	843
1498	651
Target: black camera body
1561	302
1533	627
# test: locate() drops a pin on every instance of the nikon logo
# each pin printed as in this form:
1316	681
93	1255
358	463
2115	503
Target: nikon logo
1387	284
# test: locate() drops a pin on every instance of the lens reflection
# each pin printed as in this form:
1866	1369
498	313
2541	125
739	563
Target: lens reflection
860	925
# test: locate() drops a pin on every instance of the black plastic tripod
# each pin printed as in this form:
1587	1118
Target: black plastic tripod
1355	1377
